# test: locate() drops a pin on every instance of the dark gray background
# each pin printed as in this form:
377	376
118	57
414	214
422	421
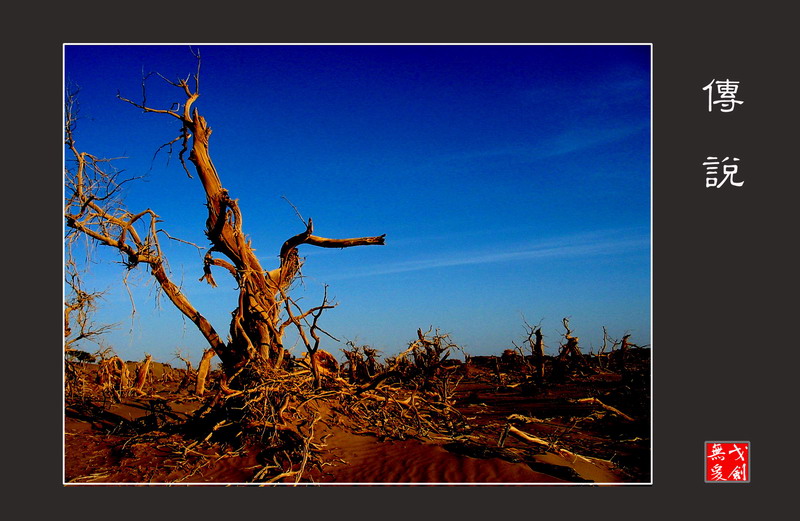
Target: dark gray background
725	349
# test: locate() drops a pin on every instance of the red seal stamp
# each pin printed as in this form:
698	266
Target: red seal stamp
727	461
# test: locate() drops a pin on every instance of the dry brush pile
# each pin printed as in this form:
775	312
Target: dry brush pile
286	414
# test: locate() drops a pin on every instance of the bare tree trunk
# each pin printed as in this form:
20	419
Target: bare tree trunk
538	354
187	376
623	353
202	371
256	332
536	343
124	374
313	360
141	374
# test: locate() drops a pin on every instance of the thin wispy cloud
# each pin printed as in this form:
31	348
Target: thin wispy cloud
572	247
568	142
620	85
584	138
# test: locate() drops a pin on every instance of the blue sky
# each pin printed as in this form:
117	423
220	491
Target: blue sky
510	181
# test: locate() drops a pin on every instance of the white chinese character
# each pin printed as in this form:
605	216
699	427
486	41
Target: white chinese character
739	451
712	166
739	473
716	452
716	473
727	90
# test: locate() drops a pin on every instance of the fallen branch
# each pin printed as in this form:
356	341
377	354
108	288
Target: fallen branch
527	437
306	449
523	418
595	401
373	383
408	402
549	446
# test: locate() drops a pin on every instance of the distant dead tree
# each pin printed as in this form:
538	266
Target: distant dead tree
356	369
93	209
113	375
535	341
372	363
142	372
361	363
189	373
602	355
622	353
570	348
569	357
429	351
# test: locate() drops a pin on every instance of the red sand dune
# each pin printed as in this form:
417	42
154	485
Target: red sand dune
412	461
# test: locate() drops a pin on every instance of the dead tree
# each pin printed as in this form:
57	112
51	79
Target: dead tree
356	369
602	355
538	353
535	341
361	362
188	374
142	372
93	209
569	357
372	365
623	353
113	376
570	348
429	352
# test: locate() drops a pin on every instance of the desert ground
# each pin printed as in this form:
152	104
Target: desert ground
481	420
